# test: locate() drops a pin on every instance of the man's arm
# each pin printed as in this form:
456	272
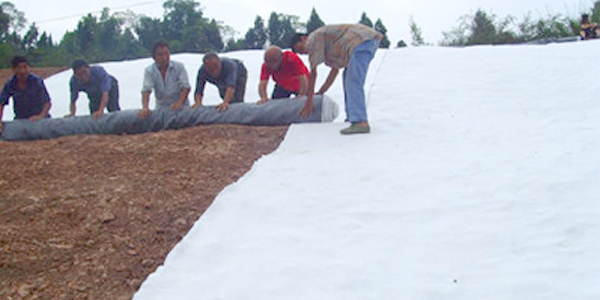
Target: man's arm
308	106
43	94
262	91
329	81
145	112
1	114
72	110
3	101
103	103
105	88
74	95
182	97
303	80
229	93
200	82
42	114
184	84
198	100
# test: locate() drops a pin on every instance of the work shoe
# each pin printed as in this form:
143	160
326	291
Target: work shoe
356	128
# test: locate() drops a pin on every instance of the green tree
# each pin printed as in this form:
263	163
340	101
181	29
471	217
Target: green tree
129	47
483	30
401	44
180	14
365	20
149	31
11	18
11	22
281	28
256	37
385	42
187	30
314	22
4	24
416	34
234	45
85	36
31	38
108	36
595	15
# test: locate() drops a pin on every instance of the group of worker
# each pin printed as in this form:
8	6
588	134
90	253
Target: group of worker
349	46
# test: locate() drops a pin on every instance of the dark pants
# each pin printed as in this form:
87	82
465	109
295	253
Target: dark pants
113	98
279	92
240	86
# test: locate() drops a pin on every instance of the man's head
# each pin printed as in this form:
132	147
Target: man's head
273	58
299	43
81	70
212	64
161	54
20	67
585	18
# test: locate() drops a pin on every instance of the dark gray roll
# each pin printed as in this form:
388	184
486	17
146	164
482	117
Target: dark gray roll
273	113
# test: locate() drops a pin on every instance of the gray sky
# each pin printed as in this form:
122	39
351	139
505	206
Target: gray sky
432	16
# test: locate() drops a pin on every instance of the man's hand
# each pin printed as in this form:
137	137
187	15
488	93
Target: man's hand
197	104
36	118
144	113
223	106
307	109
176	106
262	101
97	114
1	127
69	115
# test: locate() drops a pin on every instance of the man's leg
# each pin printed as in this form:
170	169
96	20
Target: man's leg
354	82
279	92
113	97
240	87
94	104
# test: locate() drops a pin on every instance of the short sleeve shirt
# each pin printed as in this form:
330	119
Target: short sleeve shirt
231	69
333	44
28	102
287	76
166	91
100	81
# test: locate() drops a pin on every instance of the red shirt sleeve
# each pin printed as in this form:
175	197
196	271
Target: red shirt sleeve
264	72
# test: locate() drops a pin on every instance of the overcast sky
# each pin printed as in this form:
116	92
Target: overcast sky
432	16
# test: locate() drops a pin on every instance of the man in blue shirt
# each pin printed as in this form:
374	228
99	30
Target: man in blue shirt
229	75
101	88
168	79
30	97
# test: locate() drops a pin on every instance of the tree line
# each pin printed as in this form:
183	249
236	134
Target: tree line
281	27
486	28
126	35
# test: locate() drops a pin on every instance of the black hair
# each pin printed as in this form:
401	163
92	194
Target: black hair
78	63
17	60
159	44
585	18
209	56
295	39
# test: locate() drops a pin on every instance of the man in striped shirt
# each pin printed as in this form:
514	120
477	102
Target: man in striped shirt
349	46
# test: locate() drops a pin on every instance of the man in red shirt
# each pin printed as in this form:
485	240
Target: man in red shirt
288	71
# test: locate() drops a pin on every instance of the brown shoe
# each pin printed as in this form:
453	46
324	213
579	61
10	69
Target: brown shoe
356	128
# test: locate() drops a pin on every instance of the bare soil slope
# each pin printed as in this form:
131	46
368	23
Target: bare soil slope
90	217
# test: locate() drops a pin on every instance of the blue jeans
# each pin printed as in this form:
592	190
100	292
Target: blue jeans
354	81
